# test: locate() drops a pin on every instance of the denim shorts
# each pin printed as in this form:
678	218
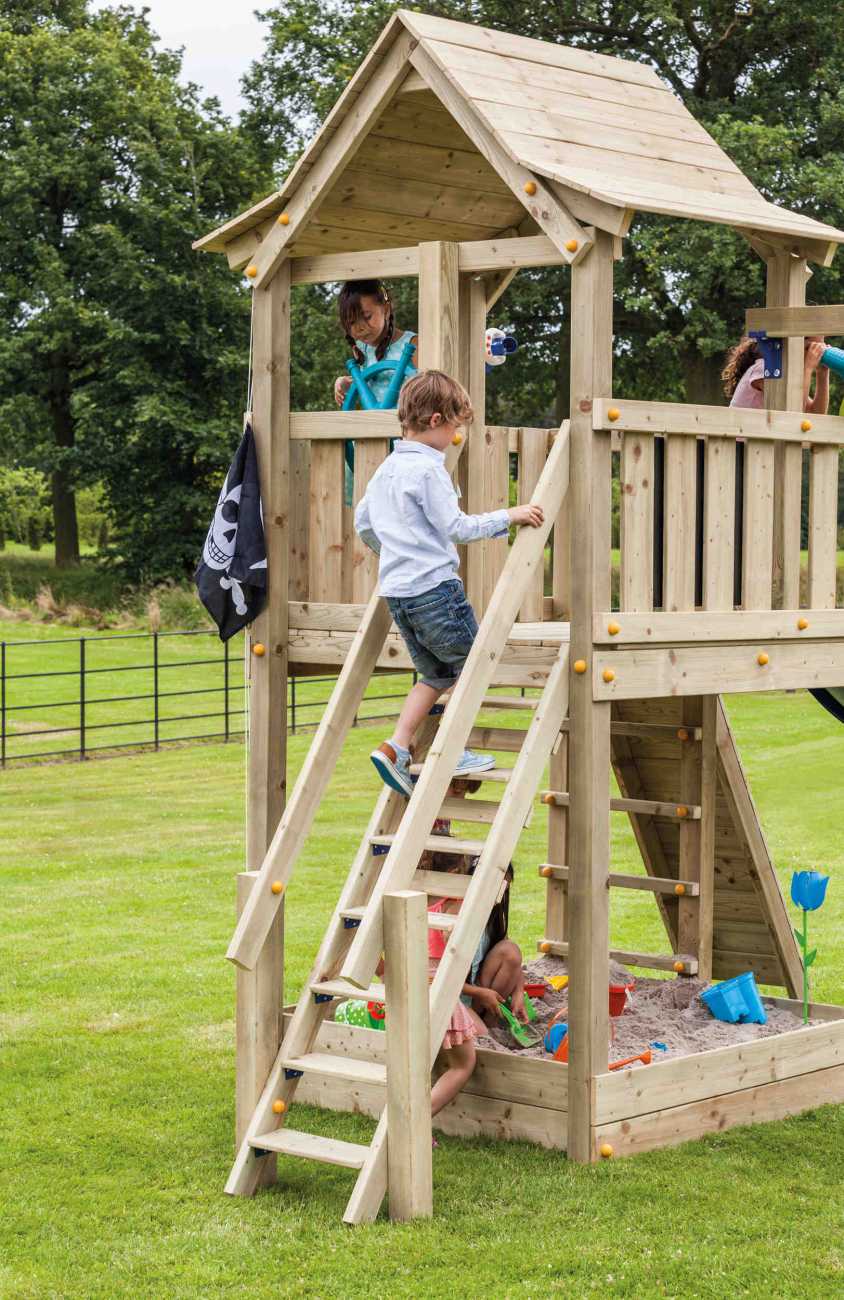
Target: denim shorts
438	629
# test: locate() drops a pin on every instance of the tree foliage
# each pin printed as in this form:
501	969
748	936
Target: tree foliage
122	352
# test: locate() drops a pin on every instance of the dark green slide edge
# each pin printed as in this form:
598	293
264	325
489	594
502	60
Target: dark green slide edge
832	698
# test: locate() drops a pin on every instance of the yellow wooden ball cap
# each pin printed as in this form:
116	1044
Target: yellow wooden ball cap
682	810
679	967
530	187
259	649
761	658
251	270
608	675
805	425
572	245
279	1107
284	219
613	628
682	733
613	413
546	871
802	624
606	1150
680	889
548	797
457	439
277	887
545	946
579	665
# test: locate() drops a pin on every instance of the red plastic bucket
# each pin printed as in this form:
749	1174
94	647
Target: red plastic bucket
618	997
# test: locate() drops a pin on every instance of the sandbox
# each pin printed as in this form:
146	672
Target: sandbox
712	1076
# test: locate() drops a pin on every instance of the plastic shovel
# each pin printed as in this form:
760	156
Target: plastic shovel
524	1035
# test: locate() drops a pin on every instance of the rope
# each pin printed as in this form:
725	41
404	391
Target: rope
247	658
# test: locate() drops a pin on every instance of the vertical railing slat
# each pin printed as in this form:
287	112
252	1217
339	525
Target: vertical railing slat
369	454
719	508
758	538
823	526
637	522
680	503
532	453
325	543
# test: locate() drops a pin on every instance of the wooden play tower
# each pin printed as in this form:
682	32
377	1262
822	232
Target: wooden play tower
459	155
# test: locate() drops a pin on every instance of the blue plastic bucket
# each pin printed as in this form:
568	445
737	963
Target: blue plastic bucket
555	1036
736	1000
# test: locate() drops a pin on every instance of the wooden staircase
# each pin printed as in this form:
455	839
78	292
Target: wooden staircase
387	860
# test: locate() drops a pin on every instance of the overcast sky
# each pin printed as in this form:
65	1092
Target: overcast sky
220	39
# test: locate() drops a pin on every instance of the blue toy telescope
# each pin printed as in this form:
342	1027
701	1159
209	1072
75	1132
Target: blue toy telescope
833	358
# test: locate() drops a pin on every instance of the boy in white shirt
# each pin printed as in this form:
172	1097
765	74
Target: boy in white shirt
410	517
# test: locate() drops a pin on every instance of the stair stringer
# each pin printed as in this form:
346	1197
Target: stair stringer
751	929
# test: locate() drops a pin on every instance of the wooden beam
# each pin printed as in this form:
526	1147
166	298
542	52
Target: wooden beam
343	425
710	669
258	1023
795	321
339	149
716	421
717	625
589	726
786	288
641	807
408	1034
639	960
650	884
546	209
479	256
267	761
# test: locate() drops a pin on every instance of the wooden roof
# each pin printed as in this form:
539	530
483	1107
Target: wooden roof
606	135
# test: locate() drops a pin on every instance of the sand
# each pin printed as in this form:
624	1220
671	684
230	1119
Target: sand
667	1011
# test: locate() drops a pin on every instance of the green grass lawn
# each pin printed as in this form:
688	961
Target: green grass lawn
117	1087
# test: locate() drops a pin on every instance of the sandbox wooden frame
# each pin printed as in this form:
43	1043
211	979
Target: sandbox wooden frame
693	649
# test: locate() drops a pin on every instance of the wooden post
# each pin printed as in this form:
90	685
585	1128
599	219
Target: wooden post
258	1023
786	287
259	991
408	1055
589	728
475	458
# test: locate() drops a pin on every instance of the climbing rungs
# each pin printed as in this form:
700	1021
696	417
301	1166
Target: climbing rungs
651	731
436	920
441	884
654	884
508	702
331	1151
679	962
338	1067
494	773
639	807
344	989
439	844
506	739
469	810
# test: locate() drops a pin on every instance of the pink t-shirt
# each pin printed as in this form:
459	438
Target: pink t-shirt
746	394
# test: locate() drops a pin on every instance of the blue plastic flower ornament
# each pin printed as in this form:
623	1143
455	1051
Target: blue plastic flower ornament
808	889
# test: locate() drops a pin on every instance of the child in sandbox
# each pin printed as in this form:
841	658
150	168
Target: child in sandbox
495	974
411	518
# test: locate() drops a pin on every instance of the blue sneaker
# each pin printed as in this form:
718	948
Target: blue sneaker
470	763
393	770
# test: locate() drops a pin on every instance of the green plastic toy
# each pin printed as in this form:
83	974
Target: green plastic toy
523	1034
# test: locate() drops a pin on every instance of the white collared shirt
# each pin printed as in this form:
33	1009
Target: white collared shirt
410	517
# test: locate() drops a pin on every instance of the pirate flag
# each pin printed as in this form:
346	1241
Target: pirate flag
231	579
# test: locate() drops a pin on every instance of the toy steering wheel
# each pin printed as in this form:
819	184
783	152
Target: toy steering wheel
360	390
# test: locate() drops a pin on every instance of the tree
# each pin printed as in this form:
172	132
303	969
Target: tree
764	79
122	352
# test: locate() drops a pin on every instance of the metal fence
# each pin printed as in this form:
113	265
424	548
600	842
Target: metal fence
178	698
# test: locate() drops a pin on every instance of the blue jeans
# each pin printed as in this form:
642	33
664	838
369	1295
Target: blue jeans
438	629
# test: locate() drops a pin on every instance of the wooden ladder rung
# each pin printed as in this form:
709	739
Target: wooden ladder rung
331	1151
436	920
439	844
469	810
654	884
507	739
679	962
338	1067
441	884
639	807
494	773
508	702
345	989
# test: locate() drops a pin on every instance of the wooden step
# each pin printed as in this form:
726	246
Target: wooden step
338	1067
639	807
645	960
331	1151
436	920
509	702
441	884
655	884
494	773
469	810
508	739
439	844
344	989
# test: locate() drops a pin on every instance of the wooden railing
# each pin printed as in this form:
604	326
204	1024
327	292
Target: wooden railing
699	496
329	564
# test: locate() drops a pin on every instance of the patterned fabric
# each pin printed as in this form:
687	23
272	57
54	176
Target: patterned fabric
461	1026
745	394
